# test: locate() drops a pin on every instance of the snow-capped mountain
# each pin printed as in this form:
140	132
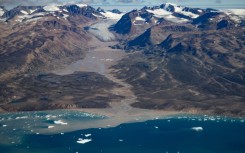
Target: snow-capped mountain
141	20
23	13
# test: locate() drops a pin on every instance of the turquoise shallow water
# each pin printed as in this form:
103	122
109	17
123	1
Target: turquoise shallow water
171	135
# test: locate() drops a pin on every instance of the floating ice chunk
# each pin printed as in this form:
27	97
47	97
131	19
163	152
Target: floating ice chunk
50	127
62	133
60	122
4	125
83	141
156	127
120	140
37	133
87	135
23	117
197	128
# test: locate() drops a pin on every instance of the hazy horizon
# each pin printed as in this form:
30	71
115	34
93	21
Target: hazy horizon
126	5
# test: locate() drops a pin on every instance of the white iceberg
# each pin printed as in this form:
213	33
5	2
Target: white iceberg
87	135
60	122
197	128
83	141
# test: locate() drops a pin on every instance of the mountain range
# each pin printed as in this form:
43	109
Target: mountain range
178	58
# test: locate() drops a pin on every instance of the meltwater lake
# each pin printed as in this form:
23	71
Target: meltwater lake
71	132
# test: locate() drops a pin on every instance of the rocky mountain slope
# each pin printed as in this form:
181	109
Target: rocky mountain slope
197	65
179	58
36	38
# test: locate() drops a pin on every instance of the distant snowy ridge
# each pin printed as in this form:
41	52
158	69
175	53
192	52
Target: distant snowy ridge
238	12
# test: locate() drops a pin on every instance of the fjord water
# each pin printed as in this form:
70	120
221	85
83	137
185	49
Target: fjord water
171	134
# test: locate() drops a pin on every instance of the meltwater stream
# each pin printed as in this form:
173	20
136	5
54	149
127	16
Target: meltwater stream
58	132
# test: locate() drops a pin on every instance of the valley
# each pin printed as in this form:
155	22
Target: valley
157	60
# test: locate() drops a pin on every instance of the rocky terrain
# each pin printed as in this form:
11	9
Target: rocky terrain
194	66
178	58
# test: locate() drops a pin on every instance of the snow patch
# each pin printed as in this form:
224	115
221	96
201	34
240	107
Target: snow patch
65	10
51	8
65	16
97	15
168	4
31	11
83	141
192	15
238	12
138	18
24	12
32	17
82	5
1	12
113	16
159	12
197	129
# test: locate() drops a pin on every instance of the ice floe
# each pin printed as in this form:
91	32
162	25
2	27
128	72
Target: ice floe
60	122
23	117
50	127
83	141
197	128
87	135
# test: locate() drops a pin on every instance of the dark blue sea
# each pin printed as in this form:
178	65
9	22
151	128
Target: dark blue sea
174	134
